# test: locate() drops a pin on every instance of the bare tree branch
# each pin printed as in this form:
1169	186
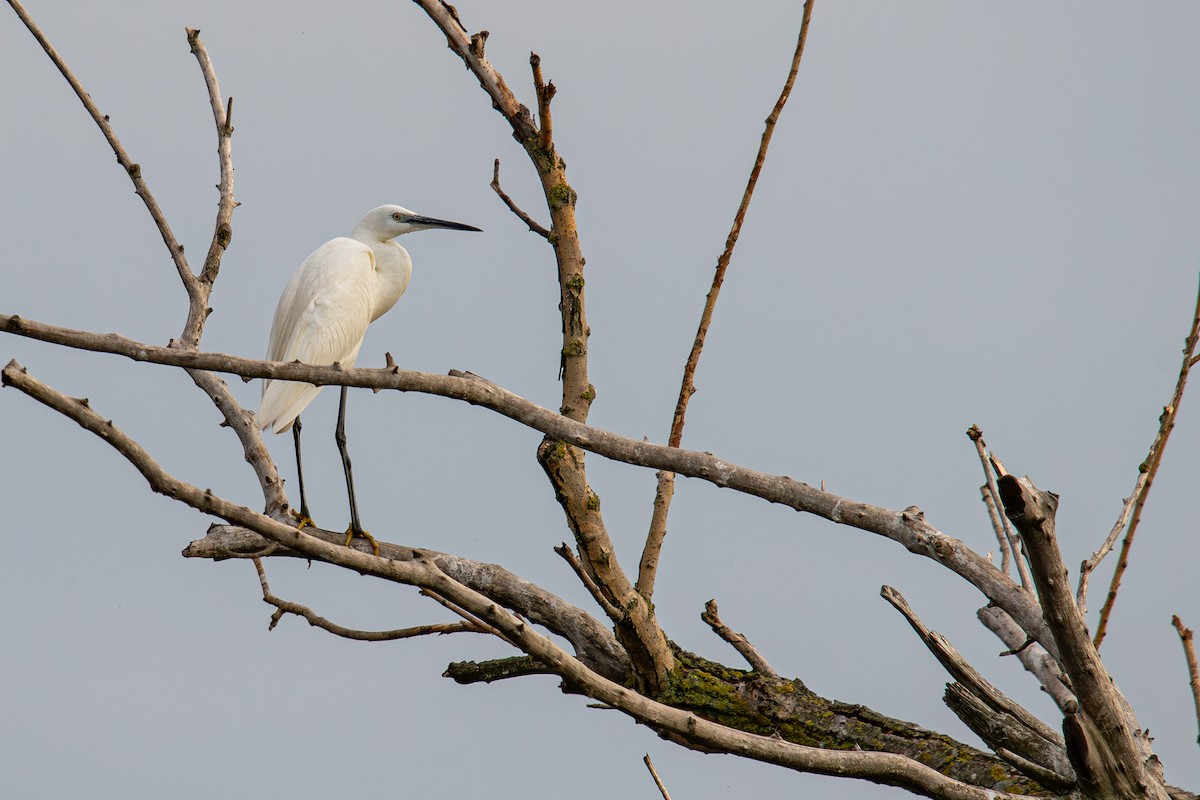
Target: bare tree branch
283	607
907	527
654	774
421	570
1189	654
1106	750
995	717
711	616
568	555
223	232
1149	468
1032	656
513	207
1004	534
651	551
593	642
133	170
638	630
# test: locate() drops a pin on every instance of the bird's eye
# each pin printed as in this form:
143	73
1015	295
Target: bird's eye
397	216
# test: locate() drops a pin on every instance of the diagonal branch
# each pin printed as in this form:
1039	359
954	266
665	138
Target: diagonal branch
1189	655
594	644
513	207
1033	739
711	616
652	550
133	170
907	527
1137	500
420	570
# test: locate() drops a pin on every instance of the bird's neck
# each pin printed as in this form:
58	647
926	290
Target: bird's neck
393	266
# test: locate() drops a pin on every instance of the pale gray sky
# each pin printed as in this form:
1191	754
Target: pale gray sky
970	214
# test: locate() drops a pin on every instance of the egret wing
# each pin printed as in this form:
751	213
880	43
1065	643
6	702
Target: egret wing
322	317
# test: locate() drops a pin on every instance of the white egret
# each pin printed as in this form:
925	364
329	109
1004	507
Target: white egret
322	317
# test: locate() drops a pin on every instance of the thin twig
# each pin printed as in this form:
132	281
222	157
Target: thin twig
1089	564
283	607
568	555
513	207
996	527
1009	542
654	774
1189	653
470	618
648	567
712	618
1166	423
991	499
222	111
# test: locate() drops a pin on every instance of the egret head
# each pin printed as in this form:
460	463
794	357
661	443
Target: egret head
388	222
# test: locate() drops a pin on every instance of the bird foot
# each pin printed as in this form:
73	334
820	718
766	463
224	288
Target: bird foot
352	532
304	520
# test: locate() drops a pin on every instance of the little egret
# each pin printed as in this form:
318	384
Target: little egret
323	314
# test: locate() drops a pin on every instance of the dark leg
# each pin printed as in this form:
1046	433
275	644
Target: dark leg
356	528
305	516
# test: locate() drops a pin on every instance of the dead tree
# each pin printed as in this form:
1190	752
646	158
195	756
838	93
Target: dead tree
624	659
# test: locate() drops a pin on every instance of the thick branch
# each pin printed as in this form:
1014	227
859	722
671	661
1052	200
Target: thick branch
593	642
908	527
1116	752
684	726
636	626
958	667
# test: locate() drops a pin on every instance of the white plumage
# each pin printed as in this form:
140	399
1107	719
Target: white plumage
322	317
342	287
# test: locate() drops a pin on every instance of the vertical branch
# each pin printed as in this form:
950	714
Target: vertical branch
223	118
636	627
666	480
1009	545
1149	468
